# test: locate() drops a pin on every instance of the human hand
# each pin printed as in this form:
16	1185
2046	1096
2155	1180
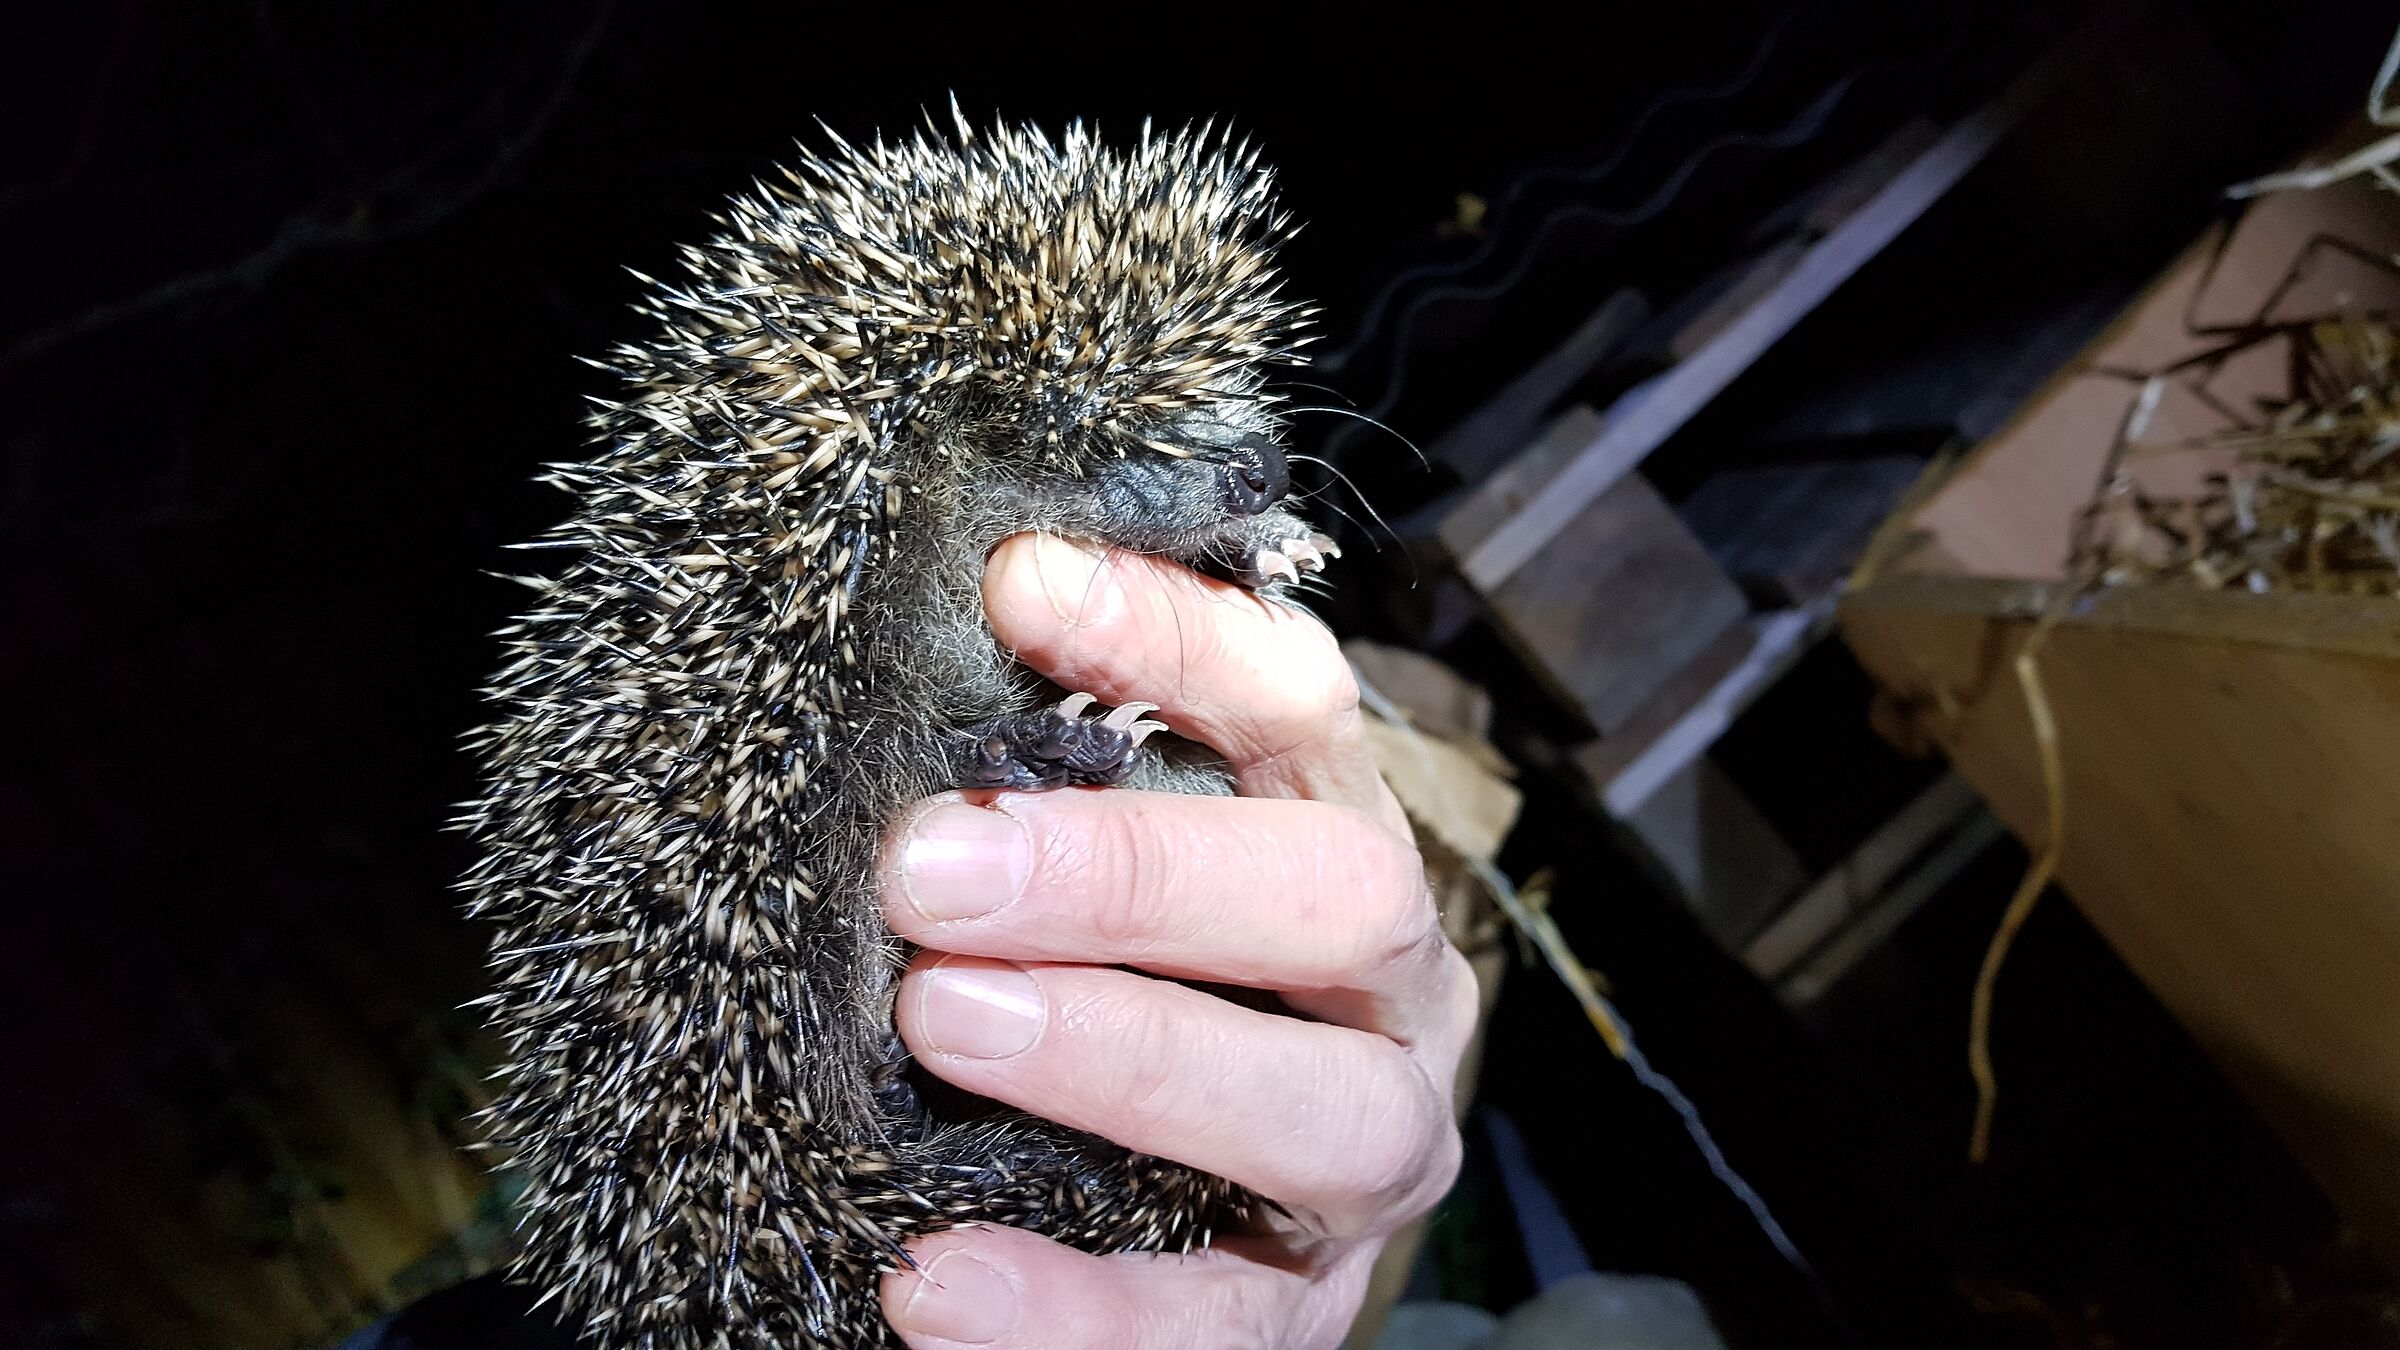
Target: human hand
1307	884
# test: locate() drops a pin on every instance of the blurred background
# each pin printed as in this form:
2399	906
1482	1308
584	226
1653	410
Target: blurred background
293	300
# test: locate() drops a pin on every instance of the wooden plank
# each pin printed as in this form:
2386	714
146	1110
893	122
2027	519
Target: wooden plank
2233	830
2352	624
1444	606
1868	872
1690	710
1655	747
1825	208
1512	418
1788	533
1490	504
1855	940
1732	868
1663	407
1623	599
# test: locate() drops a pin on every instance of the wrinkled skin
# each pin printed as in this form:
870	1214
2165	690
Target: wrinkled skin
1306	886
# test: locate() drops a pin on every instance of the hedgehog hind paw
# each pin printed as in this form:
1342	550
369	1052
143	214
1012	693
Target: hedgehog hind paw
1056	746
894	1089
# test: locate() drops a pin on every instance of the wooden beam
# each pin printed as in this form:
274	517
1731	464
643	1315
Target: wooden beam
1510	419
1627	769
1851	944
1838	897
1728	862
1649	414
1626	600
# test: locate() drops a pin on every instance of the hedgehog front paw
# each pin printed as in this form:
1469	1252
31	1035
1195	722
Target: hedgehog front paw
1057	747
1287	560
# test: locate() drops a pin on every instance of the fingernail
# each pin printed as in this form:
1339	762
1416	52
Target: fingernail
1077	580
959	1298
979	1012
959	861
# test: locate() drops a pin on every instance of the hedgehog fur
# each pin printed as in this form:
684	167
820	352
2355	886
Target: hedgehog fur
767	639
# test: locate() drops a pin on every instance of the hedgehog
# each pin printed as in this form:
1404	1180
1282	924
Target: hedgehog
766	638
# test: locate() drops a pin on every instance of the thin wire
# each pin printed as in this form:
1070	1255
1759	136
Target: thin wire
1799	129
1586	174
1649	1076
1617	1034
1606	1016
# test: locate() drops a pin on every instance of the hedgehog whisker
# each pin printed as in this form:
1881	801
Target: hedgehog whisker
1378	423
1346	481
1361	526
1311	384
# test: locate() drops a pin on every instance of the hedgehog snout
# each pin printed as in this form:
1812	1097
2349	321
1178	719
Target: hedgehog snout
1255	476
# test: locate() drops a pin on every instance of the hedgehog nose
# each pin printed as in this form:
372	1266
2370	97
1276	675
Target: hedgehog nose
1255	476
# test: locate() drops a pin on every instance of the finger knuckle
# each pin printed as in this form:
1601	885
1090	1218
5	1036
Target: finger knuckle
1449	1154
1253	1313
1405	1155
1462	994
1319	685
1134	861
1398	929
1333	690
1309	684
1415	1178
1120	1317
1327	1316
1150	1059
1074	849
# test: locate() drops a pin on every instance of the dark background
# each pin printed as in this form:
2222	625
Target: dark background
292	295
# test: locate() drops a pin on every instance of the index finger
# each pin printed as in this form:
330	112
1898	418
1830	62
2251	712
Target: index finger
1264	684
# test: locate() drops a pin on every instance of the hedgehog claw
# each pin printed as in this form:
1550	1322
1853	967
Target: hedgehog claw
1267	564
1310	553
1072	705
1126	715
1142	730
